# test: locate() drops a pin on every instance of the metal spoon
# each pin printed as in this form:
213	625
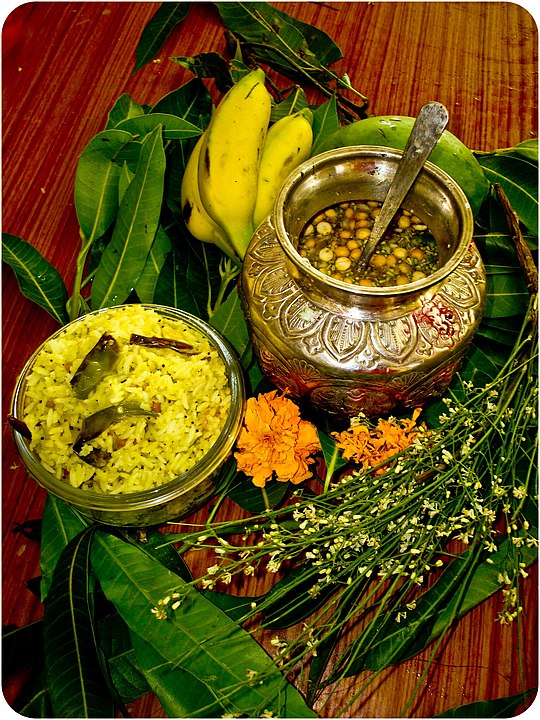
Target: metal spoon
428	127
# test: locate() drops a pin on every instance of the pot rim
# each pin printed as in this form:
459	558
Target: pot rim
439	176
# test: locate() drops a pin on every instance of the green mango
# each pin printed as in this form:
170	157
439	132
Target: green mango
450	154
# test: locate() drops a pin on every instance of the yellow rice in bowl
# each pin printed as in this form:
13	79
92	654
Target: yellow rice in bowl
186	394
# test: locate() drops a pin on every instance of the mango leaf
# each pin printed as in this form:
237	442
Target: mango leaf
96	182
138	219
171	288
333	458
173	127
230	321
485	581
518	178
503	330
500	708
155	544
506	294
146	284
325	122
191	102
203	274
200	638
278	39
527	149
189	276
497	250
177	154
60	525
236	607
208	65
296	100
116	646
125	107
182	694
153	36
250	498
440	606
76	683
289	602
38	280
483	362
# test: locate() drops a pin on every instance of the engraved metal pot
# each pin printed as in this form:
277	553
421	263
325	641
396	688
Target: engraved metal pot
347	349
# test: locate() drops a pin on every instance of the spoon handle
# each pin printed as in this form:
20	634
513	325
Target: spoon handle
427	129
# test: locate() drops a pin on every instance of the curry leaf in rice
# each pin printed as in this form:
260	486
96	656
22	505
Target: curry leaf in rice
183	397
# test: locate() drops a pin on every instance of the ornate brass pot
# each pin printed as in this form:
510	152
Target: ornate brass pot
347	349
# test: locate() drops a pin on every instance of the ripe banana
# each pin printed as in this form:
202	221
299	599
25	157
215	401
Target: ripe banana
230	157
197	220
288	143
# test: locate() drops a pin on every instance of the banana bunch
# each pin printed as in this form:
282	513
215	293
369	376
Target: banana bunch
238	165
288	143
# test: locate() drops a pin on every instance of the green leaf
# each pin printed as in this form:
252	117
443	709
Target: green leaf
500	708
125	107
528	149
199	638
250	498
506	295
96	182
439	607
518	178
76	683
483	362
171	287
289	602
484	582
146	284
191	102
125	672
295	100
236	607
38	280
208	65
156	545
278	39
138	219
189	276
181	693
60	525
503	330
157	30
325	122
173	127
333	458
230	321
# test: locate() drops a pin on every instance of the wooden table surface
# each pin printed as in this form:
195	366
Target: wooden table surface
65	64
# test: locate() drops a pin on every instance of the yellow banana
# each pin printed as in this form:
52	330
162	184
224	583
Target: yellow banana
230	158
197	220
288	143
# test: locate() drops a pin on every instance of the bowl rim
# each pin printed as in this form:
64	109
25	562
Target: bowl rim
172	489
335	155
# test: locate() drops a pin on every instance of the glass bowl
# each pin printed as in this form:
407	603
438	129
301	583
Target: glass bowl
176	497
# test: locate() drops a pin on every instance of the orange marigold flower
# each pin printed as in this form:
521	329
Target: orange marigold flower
369	446
275	440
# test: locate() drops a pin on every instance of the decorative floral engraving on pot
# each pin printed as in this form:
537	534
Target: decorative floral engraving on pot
350	350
